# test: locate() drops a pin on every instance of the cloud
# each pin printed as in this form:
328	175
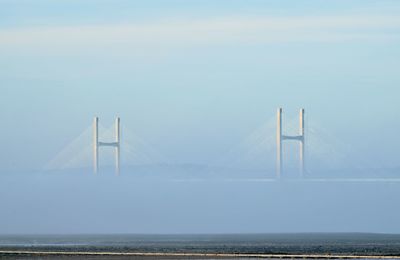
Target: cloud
224	30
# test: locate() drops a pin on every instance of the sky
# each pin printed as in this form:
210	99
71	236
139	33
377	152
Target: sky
194	79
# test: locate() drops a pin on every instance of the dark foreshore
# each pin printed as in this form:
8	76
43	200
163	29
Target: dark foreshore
314	245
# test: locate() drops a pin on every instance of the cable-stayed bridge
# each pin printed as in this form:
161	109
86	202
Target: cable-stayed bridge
261	152
79	152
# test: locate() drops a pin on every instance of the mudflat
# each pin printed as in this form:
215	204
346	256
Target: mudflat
228	246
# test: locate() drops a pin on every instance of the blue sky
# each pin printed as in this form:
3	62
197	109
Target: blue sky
196	77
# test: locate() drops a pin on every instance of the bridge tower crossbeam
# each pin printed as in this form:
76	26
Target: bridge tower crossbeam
116	144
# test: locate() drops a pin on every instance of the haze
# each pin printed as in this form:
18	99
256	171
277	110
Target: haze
195	81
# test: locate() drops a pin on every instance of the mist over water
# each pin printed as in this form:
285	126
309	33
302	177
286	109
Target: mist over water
80	202
237	192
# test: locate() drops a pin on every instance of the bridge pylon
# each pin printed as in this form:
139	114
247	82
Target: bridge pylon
116	145
280	138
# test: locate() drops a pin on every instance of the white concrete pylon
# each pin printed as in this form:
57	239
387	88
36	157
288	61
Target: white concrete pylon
302	144
279	143
280	137
97	144
118	145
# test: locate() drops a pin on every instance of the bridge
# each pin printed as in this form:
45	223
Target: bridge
272	141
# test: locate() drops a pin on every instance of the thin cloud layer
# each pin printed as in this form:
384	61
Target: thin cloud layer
226	30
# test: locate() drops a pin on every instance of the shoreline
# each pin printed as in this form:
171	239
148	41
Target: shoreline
12	253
